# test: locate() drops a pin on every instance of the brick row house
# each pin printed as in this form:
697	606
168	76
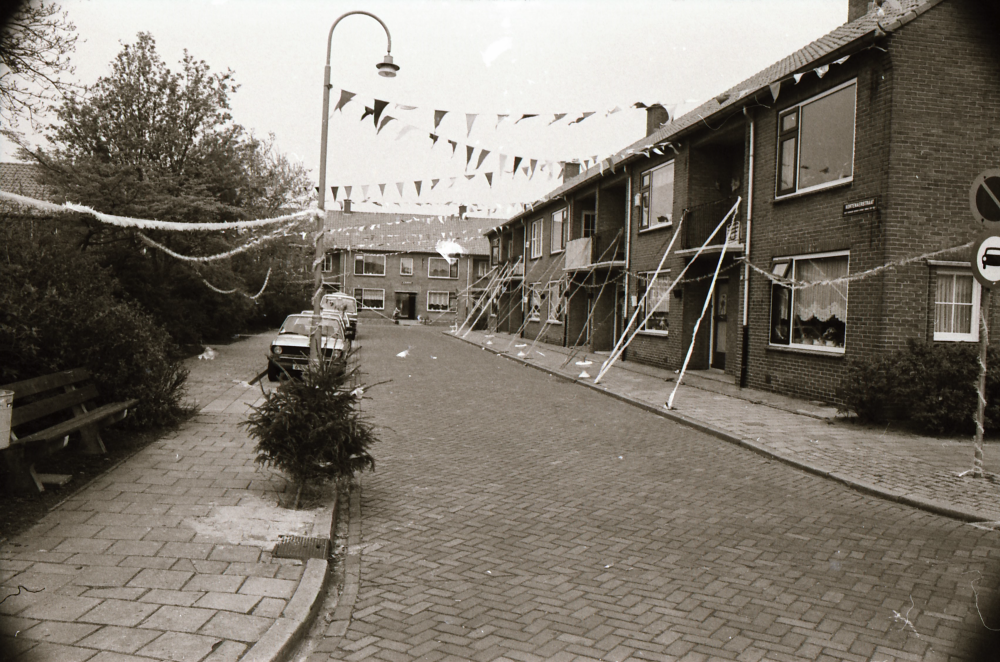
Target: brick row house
391	261
854	152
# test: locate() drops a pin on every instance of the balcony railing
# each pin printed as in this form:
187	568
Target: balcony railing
702	219
599	249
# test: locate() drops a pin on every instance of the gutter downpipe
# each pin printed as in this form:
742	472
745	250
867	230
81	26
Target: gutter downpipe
744	359
628	248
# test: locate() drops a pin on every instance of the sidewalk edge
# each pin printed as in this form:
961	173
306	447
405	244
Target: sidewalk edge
935	507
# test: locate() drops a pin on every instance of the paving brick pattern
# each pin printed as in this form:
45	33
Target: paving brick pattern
516	516
138	565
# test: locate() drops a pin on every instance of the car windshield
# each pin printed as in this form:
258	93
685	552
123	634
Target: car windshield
302	325
343	304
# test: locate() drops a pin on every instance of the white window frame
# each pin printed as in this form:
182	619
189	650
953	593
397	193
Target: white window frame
361	257
778	195
448	298
556	299
482	268
328	262
535	242
454	262
555	238
644	199
533	303
790	273
403	261
361	305
588	224
973	335
662	279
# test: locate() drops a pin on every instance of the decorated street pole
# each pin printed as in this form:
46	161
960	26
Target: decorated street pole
385	68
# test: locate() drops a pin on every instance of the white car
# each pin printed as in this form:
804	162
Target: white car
346	305
290	350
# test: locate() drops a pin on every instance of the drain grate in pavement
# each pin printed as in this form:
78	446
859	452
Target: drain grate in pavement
300	547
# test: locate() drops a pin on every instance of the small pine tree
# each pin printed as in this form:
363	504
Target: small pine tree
311	429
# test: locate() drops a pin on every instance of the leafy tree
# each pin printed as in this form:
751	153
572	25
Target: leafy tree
35	44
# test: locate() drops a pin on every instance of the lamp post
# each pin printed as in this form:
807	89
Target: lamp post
385	68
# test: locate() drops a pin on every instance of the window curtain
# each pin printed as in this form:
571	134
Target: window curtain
824	302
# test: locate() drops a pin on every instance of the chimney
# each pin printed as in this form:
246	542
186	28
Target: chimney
462	209
347	206
570	170
857	8
656	116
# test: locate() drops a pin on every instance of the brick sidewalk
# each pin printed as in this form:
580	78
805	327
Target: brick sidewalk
912	469
167	556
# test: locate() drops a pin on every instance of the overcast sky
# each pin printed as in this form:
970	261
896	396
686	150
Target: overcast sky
482	57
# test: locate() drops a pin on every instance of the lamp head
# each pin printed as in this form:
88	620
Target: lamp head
386	67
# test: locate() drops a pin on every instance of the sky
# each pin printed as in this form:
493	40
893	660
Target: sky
479	58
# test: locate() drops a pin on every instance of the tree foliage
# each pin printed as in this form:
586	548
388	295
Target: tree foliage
35	45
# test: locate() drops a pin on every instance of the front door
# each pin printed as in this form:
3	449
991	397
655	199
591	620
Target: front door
406	302
720	303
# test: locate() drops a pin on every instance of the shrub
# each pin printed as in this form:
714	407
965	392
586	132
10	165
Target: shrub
311	429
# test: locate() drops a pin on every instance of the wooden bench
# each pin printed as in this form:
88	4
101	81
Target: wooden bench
47	410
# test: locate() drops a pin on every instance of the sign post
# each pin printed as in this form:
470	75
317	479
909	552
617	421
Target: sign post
984	202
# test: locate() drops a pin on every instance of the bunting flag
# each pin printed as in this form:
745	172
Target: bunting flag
416	185
556	118
775	89
500	118
379	107
385	120
368	111
402	107
451	182
434	182
797	78
438	116
533	163
334	190
347	192
469	119
469	149
345	96
454	146
640	105
843	59
482	157
364	191
469	177
399	185
489	179
581	118
517	162
527	116
434	139
381	189
821	71
614	110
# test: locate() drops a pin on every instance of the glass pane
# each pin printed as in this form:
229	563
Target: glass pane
820	311
781	299
787	165
788	121
963	289
827	135
661	204
659	305
945	289
963	319
942	317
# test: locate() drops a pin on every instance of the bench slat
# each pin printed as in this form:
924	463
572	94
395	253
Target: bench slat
36	410
68	427
38	385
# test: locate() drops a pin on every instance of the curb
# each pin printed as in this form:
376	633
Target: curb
281	638
936	507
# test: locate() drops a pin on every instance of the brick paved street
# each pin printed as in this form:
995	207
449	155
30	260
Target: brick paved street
516	516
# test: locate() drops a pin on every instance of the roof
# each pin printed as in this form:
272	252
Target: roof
825	50
22	179
405	233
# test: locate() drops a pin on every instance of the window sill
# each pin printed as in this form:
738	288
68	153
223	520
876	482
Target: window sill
653	228
554	322
442	277
832	352
558	252
372	275
954	338
661	334
815	189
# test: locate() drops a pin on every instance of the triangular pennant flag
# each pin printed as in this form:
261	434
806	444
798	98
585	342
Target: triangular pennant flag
345	96
556	118
797	78
640	105
524	117
469	149
533	163
399	185
379	107
517	162
821	71
381	189
775	89
434	182
385	120
454	146
482	157
469	177
500	118
525	170
614	110
368	111
489	179
402	107
334	189
581	118
841	60
434	138
416	185
438	116
451	181
347	192
364	191
469	119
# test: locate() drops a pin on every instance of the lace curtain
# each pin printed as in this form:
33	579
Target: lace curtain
824	302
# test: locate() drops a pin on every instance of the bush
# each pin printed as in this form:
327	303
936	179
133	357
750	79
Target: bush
59	310
931	386
311	429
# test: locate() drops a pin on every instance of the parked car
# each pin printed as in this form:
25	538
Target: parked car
290	350
347	305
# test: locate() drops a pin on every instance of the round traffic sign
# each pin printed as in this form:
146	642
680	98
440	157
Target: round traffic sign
986	260
984	198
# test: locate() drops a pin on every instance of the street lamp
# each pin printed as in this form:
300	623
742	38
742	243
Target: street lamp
386	68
